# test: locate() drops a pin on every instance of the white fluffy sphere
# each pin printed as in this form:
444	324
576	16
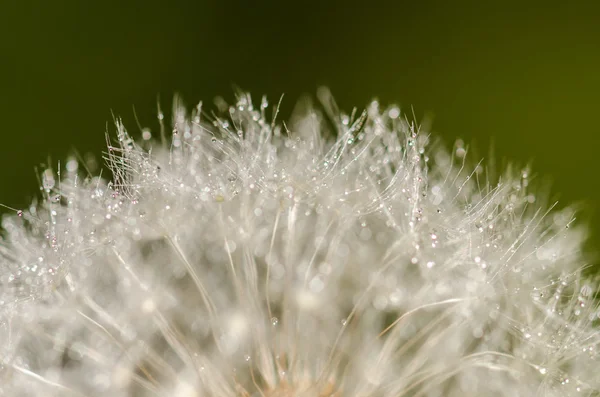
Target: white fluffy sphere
335	255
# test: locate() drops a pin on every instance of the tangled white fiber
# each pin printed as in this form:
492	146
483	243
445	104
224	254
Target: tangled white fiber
333	256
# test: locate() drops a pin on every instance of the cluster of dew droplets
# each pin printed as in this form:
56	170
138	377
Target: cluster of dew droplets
356	234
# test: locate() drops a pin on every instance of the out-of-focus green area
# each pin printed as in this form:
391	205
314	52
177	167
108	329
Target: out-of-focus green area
523	77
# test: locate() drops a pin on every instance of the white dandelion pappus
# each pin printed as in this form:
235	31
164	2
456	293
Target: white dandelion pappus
251	258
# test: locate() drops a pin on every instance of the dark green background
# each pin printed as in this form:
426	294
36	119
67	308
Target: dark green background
522	76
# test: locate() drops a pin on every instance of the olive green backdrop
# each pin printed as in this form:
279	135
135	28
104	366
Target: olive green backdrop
525	77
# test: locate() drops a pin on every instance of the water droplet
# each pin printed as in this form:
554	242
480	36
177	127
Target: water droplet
394	113
72	165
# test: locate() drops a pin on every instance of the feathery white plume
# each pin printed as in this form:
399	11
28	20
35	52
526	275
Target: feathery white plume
336	255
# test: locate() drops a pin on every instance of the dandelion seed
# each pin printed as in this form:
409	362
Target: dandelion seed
252	257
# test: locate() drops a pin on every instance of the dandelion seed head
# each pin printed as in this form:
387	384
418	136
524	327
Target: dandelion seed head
245	256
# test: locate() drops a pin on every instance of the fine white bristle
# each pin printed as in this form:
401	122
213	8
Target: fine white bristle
332	255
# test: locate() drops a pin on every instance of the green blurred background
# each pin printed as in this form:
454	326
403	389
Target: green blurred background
523	77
